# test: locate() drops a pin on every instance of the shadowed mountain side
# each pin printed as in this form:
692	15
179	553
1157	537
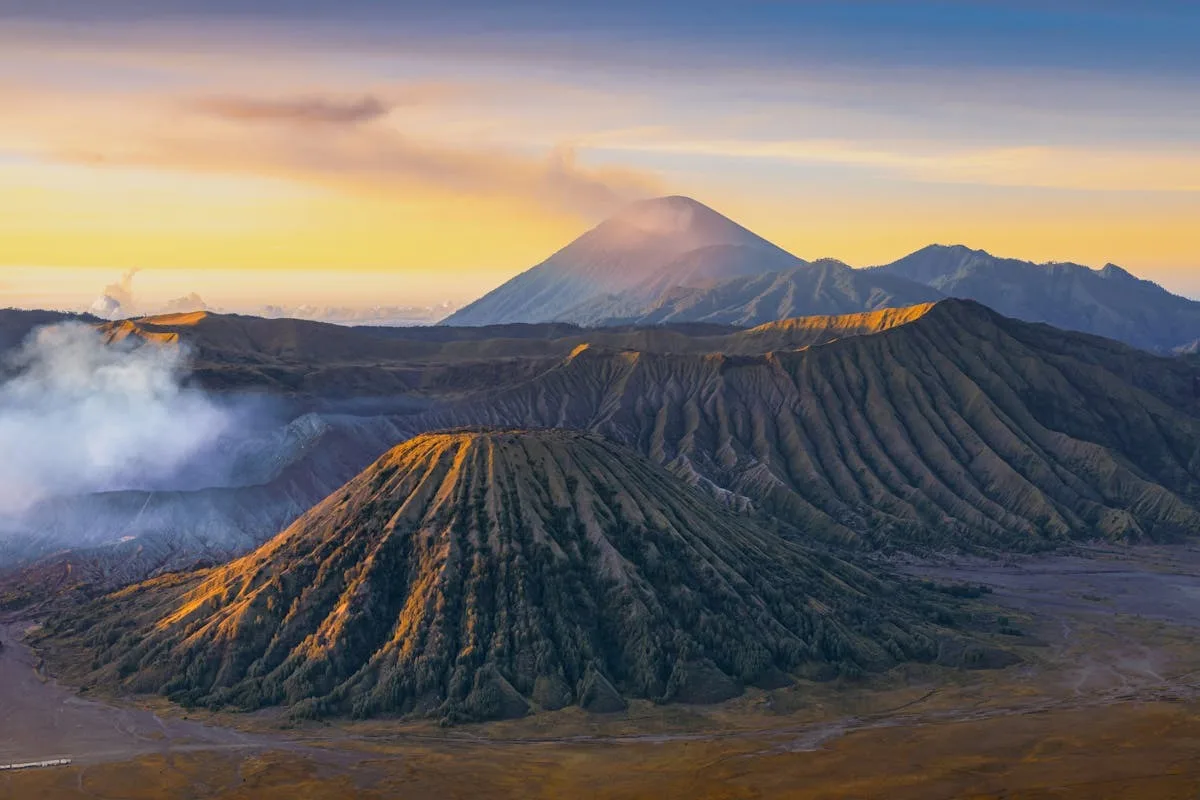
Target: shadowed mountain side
16	324
673	259
936	426
959	428
694	271
1107	302
363	370
321	364
823	287
252	486
708	266
476	574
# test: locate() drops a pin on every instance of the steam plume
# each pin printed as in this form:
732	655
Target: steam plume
78	415
116	300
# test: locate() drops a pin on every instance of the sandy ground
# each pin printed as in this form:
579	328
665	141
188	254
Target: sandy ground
1106	703
1160	583
41	720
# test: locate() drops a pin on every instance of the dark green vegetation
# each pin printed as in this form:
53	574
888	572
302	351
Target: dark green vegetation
477	575
943	427
959	428
1107	302
403	370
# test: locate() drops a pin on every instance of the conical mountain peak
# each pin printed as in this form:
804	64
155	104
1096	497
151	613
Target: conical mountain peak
480	574
682	216
620	253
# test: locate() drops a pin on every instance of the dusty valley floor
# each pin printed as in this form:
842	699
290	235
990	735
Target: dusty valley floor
1106	703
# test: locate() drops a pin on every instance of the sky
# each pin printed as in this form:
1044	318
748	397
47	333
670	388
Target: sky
410	153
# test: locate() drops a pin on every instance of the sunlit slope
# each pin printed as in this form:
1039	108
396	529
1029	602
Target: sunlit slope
474	575
232	339
958	427
299	357
371	387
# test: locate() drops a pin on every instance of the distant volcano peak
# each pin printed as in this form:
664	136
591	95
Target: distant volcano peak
669	213
618	254
679	216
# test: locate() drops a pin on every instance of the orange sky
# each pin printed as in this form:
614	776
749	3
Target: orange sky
447	173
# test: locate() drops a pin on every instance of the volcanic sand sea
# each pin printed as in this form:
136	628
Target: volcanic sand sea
1106	704
40	719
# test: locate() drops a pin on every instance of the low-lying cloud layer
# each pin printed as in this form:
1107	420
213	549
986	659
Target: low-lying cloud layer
78	415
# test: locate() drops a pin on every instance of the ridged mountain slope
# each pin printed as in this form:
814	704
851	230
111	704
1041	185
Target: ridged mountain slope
955	428
477	574
1108	302
255	484
824	287
693	272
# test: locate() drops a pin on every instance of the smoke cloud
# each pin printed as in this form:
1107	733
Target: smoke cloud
187	303
79	415
116	301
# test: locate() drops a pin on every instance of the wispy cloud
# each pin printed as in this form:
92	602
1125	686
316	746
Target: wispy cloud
305	109
1055	167
966	126
335	139
344	153
329	107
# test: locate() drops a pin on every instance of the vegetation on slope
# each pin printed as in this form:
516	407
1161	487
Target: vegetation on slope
474	575
955	428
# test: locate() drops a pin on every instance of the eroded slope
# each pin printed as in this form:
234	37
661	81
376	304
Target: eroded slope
954	428
478	574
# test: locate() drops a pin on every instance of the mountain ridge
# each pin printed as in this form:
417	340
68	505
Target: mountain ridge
822	288
731	276
944	426
1109	301
960	428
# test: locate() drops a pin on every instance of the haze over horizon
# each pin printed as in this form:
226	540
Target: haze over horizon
290	153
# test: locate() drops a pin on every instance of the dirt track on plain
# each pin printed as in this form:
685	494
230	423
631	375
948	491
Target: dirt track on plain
39	719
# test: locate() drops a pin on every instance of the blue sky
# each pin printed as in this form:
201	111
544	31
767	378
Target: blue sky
1147	37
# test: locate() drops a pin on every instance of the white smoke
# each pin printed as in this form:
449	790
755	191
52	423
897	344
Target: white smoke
116	301
80	415
185	305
